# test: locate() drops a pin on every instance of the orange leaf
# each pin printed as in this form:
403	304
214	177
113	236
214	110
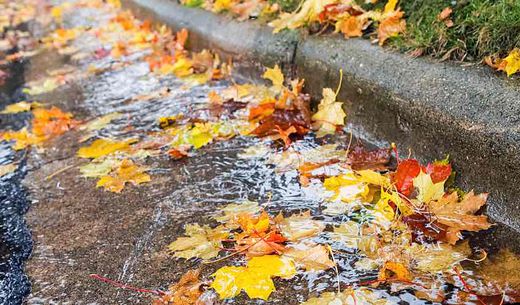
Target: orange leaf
394	271
352	27
391	26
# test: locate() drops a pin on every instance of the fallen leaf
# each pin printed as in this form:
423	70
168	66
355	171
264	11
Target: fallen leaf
459	215
299	226
275	75
428	190
98	169
330	114
7	169
352	26
103	147
360	158
394	271
127	172
185	292
403	177
23	138
311	258
446	12
308	11
361	296
19	107
47	86
233	211
254	279
101	122
202	242
391	27
511	64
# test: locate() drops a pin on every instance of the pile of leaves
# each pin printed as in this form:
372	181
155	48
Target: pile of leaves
381	20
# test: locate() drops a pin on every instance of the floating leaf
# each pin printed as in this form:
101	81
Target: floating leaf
312	258
299	226
361	296
202	242
255	279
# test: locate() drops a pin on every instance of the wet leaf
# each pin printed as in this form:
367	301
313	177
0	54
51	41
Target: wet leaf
232	212
311	258
403	177
127	172
330	113
255	279
428	190
360	158
47	86
98	169
361	296
51	122
20	107
459	216
299	226
202	242
103	147
185	292
101	122
439	258
7	169
395	271
23	138
275	75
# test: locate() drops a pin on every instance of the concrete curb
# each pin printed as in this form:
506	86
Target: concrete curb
429	107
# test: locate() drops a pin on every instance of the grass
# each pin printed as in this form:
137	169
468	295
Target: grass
480	27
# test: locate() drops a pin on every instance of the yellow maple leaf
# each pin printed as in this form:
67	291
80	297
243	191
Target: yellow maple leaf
200	135
330	113
254	279
428	190
127	172
103	147
511	64
346	187
202	242
275	75
22	138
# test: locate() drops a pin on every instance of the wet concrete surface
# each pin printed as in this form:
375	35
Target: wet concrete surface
432	108
79	229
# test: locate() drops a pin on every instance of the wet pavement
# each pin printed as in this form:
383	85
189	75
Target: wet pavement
78	229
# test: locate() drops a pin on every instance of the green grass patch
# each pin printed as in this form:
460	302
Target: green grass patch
480	28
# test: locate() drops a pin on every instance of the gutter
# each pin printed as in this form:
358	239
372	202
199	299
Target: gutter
431	108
